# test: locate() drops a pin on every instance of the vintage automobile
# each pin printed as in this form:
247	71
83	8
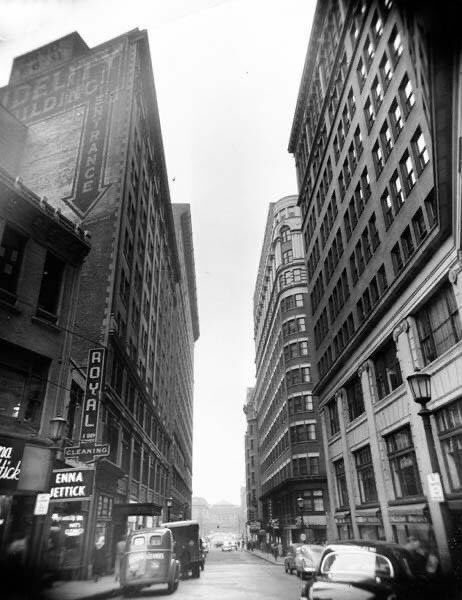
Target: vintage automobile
367	570
149	559
307	557
289	559
187	546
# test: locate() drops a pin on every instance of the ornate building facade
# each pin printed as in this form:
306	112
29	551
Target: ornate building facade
372	137
292	479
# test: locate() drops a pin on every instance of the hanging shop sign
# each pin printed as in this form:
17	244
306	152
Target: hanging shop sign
95	377
41	504
11	455
87	452
71	484
435	488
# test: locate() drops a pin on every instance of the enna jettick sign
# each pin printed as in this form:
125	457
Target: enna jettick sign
11	452
71	484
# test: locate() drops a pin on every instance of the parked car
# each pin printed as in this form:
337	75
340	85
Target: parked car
368	570
307	557
289	559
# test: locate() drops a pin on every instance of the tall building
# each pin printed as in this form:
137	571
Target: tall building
93	146
373	139
252	468
292	473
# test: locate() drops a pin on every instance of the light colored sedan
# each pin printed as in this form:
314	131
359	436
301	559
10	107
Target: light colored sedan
307	559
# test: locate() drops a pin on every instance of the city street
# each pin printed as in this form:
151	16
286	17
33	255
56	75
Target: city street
235	576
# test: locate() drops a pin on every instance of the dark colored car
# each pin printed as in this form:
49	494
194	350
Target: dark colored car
367	570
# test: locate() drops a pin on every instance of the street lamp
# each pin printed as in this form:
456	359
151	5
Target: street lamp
169	507
57	425
301	504
420	386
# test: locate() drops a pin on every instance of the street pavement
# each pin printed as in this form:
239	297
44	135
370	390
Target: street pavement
237	575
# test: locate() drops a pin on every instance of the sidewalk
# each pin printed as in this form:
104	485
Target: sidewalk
268	557
105	587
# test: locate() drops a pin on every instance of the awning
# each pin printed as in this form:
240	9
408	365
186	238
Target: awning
369	515
409	513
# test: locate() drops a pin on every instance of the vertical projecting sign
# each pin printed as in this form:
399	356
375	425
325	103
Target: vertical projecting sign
95	375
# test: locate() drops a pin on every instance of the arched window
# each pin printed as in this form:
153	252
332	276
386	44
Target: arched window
285	234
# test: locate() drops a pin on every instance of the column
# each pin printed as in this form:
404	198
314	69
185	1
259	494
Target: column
409	356
366	374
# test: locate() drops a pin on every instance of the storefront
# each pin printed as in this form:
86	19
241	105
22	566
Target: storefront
343	525
410	520
370	524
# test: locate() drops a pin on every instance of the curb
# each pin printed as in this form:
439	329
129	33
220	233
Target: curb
281	564
110	593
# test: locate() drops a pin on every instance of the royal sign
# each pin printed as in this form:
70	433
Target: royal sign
11	453
71	484
95	378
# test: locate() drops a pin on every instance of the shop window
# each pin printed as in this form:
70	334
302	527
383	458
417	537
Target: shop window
403	464
11	255
387	370
439	324
365	475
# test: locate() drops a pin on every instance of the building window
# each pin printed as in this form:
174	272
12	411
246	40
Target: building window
449	424
407	244
403	464
333	418
438	324
407	171
369	51
362	73
358	142
386	71
387	370
287	257
386	140
285	234
395	44
420	151
396	119
377	157
397	192
377	27
355	400
340	478
419	226
387	208
11	255
50	288
303	432
369	113
313	501
396	259
365	474
377	93
382	279
407	95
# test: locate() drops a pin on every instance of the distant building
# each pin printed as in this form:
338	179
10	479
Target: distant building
293	487
93	146
374	139
252	468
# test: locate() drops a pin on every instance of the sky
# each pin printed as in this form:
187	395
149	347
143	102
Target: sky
227	74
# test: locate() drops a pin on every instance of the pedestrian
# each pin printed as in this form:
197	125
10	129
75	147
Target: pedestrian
275	551
279	549
99	559
16	551
120	549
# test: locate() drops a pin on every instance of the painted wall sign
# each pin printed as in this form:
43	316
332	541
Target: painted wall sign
95	378
71	484
11	454
85	83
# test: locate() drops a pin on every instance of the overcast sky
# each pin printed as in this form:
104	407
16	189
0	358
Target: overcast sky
227	74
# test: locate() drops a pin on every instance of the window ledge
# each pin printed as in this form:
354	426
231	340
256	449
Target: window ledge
12	308
407	500
45	323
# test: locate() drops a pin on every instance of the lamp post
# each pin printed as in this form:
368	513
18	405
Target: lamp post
57	425
420	386
169	507
301	504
